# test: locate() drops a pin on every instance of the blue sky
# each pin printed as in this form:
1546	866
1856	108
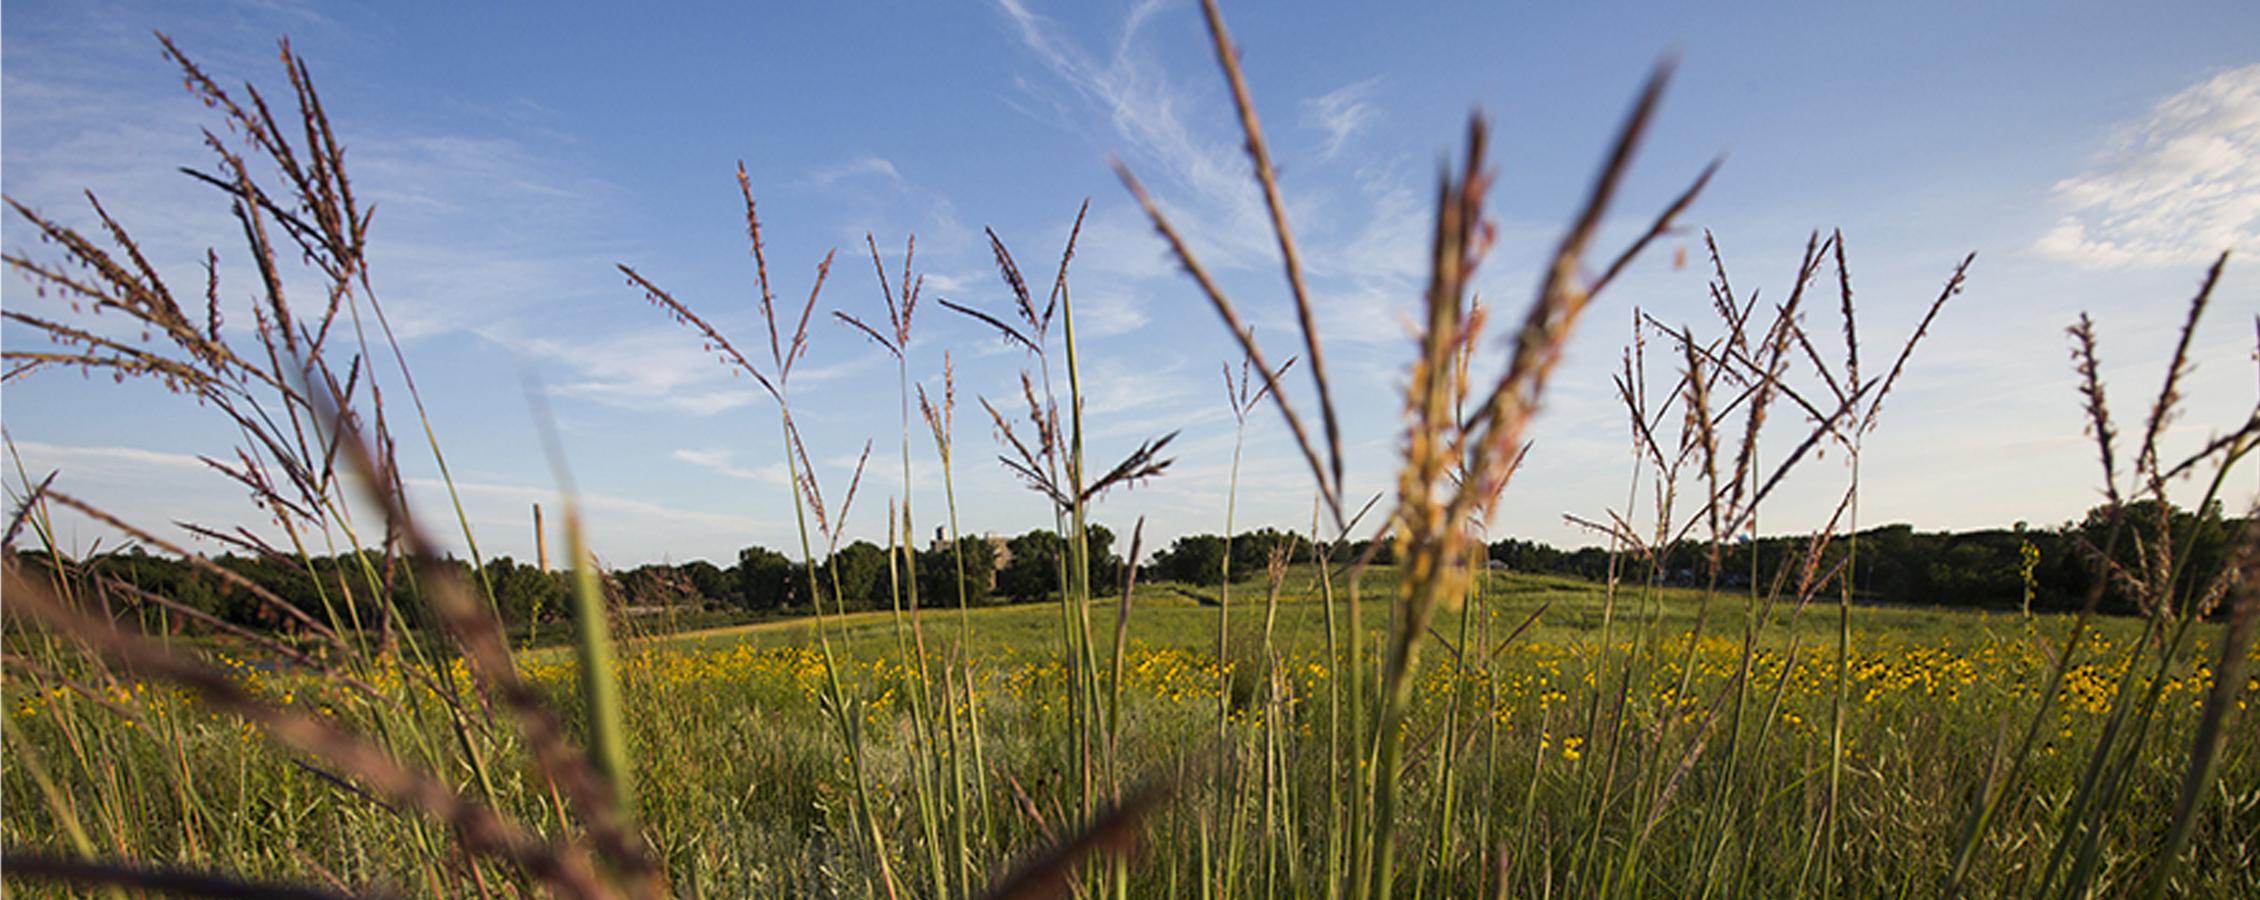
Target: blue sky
2096	156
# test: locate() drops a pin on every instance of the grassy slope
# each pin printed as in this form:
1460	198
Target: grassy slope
742	788
1178	616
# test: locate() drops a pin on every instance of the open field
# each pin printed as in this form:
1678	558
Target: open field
735	756
1183	617
341	703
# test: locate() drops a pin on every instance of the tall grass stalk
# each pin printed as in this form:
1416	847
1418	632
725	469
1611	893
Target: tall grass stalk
931	730
1428	516
941	420
1052	462
392	737
785	349
305	396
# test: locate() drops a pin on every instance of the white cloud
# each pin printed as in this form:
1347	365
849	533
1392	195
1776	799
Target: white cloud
638	370
150	488
721	461
475	227
2177	186
623	528
1116	390
1147	109
40	457
1342	113
1363	250
1109	313
945	284
456	174
618	515
861	167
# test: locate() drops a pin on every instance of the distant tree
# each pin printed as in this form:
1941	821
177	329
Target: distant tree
1251	550
1520	555
660	584
522	593
937	572
1106	564
1193	559
766	580
712	582
1384	555
162	576
1032	572
2200	541
1589	563
862	571
285	580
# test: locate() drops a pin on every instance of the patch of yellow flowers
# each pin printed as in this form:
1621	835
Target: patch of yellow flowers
1527	684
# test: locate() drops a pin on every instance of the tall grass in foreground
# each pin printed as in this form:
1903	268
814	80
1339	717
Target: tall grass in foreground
305	394
1456	465
2174	598
1481	735
845	711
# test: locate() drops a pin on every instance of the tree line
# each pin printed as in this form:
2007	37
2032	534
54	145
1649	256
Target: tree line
859	576
2044	569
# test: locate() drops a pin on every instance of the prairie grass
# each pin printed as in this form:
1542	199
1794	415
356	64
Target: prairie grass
737	758
1478	734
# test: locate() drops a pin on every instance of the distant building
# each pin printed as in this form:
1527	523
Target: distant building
999	547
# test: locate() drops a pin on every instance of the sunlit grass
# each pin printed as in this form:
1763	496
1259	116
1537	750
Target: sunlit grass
732	747
1337	729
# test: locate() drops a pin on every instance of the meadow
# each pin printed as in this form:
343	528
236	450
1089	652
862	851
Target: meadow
734	755
1429	726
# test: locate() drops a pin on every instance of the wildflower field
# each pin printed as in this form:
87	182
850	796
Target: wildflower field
1545	782
1377	710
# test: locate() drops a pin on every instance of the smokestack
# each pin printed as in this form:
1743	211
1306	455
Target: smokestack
541	547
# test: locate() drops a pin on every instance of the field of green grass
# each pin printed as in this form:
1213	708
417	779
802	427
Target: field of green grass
739	782
1427	729
1183	617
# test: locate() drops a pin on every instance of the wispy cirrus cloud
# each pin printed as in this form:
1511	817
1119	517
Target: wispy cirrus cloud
860	167
2175	187
477	226
1146	108
152	488
646	368
723	462
633	527
1363	245
40	457
1342	113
